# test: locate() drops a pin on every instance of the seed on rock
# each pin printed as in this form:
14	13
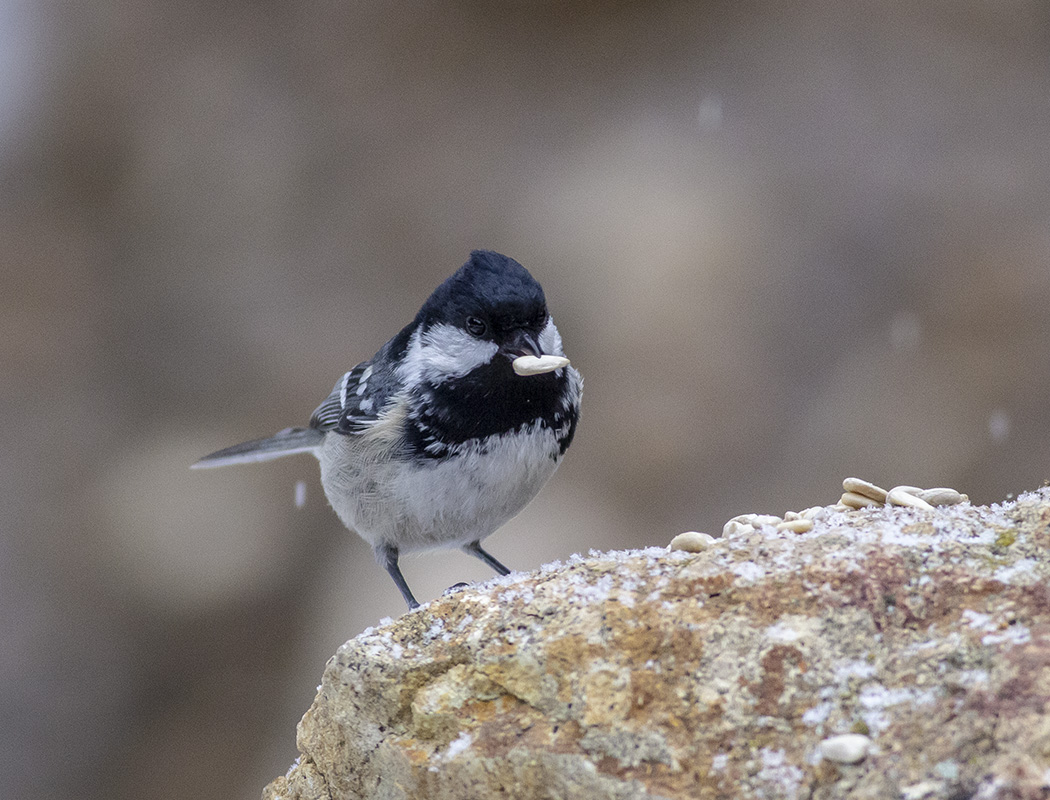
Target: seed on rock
811	513
864	489
941	497
736	528
903	496
745	523
848	748
758	520
692	542
856	501
796	525
790	515
915	490
921	790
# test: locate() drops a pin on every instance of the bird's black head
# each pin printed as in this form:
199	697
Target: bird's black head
460	354
492	297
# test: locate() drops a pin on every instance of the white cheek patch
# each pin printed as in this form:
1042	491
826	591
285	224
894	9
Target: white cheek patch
550	339
444	352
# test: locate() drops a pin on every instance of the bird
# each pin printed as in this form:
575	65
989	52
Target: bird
451	428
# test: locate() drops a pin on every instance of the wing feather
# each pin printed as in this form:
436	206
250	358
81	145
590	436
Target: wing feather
351	406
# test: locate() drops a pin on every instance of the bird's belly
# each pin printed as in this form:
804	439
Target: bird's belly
419	505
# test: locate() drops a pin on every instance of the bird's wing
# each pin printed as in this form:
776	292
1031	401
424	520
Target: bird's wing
352	406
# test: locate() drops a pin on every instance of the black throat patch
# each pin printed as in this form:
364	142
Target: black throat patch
489	401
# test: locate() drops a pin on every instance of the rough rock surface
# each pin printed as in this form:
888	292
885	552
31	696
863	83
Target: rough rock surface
715	674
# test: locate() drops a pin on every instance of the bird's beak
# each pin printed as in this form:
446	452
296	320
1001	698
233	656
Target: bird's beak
522	343
524	348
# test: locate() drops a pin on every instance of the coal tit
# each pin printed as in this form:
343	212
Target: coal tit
451	428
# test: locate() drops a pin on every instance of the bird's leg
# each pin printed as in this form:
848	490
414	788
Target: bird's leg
475	549
387	555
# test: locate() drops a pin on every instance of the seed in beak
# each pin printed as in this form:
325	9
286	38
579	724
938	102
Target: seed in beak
537	365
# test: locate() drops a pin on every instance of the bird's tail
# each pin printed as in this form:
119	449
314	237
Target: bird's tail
288	441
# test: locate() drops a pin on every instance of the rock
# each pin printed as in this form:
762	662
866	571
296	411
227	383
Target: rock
657	674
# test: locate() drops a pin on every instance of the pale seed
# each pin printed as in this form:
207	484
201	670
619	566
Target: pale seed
900	496
796	525
941	496
736	528
743	518
848	748
857	501
537	365
864	489
758	520
692	542
915	490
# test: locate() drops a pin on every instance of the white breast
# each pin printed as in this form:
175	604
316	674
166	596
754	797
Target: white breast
423	505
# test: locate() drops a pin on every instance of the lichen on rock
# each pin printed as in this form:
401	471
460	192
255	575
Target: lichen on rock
716	674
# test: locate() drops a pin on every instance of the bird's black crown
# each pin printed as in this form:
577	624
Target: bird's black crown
492	286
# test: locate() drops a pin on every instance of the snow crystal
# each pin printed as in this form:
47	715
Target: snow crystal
748	570
973	676
597	592
999	425
876	698
1024	568
459	745
977	620
818	714
780	633
927	645
776	770
949	770
854	669
1014	635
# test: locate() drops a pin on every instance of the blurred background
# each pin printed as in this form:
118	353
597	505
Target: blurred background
785	243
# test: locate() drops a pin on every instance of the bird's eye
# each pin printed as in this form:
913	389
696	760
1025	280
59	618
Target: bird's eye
476	326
